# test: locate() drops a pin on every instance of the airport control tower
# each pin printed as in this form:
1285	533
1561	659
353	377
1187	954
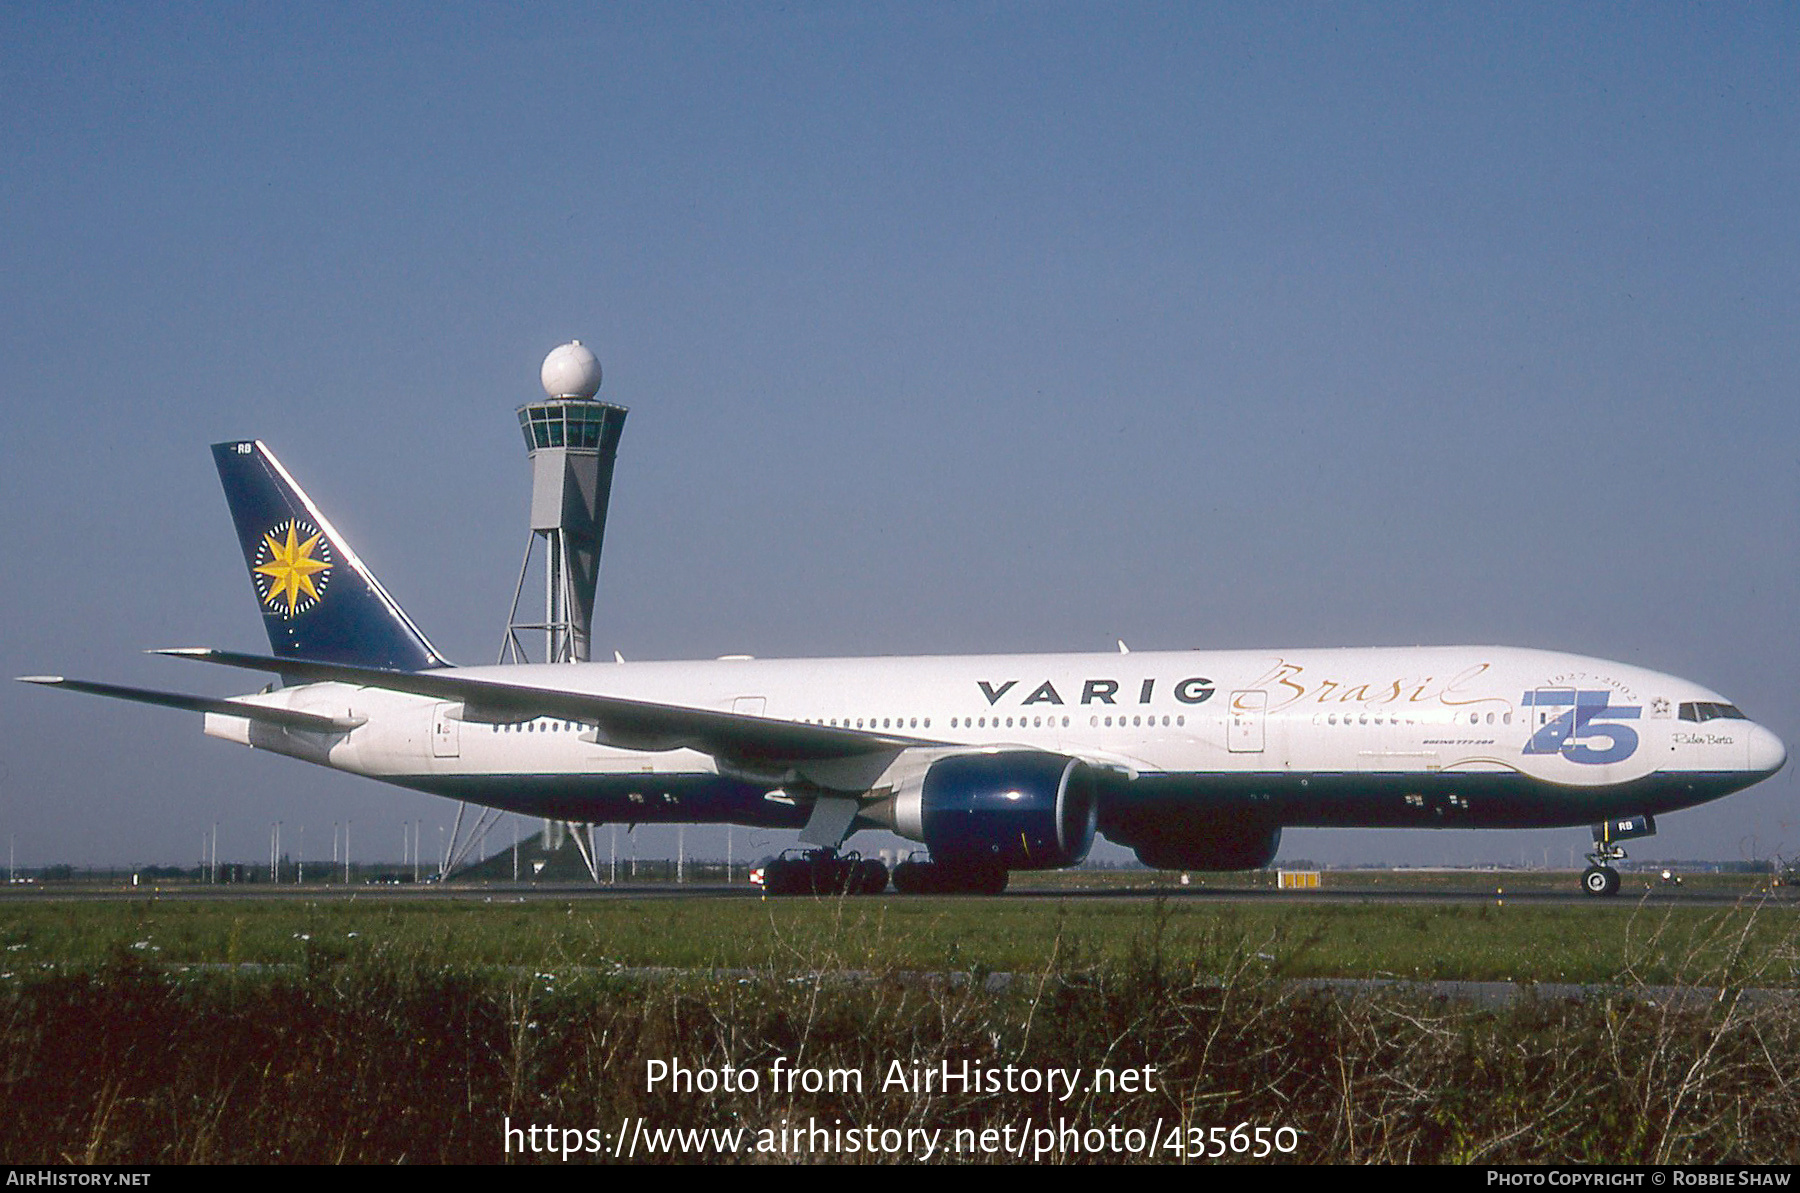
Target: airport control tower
572	439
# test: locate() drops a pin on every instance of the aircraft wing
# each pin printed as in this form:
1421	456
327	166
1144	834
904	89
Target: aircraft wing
628	724
287	718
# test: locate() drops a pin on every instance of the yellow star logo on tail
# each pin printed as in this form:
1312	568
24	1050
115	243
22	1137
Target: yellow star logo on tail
291	573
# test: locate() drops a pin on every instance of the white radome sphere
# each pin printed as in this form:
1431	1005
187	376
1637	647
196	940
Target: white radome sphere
571	372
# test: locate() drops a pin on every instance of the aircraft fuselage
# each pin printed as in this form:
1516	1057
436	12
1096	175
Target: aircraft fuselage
1475	737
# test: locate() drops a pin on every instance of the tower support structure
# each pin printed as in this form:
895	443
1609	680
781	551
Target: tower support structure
573	441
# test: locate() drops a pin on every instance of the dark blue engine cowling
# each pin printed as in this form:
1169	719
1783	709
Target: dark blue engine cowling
1021	809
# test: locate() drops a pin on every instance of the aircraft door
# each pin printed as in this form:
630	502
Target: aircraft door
1244	732
446	737
1549	720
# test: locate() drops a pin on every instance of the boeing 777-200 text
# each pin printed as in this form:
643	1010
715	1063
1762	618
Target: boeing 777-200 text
1194	759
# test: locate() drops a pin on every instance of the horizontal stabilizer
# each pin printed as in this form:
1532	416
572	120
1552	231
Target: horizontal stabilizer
286	718
628	724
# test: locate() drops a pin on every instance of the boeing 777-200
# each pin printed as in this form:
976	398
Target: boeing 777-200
1194	759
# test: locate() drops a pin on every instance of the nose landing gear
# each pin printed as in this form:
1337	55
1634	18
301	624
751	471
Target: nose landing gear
1600	879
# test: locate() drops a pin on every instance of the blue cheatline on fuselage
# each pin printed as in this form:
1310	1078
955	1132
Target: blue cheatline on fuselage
1441	799
1145	806
618	799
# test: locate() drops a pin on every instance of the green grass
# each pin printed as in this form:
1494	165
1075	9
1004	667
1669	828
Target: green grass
1495	941
393	1059
413	1030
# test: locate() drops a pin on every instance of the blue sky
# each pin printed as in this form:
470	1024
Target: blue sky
943	327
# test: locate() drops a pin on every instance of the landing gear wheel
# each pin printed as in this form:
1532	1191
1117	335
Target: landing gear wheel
972	878
868	877
824	872
1600	881
916	877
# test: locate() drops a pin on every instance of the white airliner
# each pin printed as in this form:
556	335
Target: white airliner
1194	759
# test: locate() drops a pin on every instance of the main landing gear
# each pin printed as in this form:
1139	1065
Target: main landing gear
918	876
824	872
828	872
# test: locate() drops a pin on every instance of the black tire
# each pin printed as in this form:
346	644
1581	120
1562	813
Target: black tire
868	877
831	876
1600	881
915	878
779	878
973	878
949	878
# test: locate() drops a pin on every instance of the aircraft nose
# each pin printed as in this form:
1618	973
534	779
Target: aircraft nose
1764	752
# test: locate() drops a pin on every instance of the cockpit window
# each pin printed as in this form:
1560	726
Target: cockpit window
1710	710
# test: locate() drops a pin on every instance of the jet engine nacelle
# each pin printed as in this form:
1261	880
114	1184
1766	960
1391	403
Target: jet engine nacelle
1223	848
1017	809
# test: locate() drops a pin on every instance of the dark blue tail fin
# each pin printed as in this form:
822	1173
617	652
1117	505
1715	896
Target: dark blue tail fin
318	601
